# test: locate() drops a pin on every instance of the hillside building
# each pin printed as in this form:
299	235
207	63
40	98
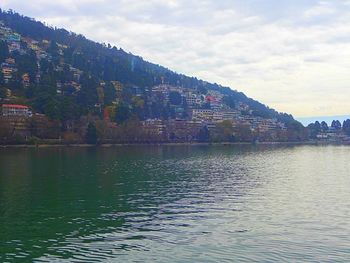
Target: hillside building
14	110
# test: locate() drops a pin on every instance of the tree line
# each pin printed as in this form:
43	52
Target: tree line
322	127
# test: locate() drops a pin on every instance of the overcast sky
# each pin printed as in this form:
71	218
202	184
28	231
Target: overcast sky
292	55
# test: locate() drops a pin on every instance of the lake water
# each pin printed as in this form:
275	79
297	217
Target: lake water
175	204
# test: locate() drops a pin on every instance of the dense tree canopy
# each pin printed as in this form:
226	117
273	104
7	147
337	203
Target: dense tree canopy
91	134
346	127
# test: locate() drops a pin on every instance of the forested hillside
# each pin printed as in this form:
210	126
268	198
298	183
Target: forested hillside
67	77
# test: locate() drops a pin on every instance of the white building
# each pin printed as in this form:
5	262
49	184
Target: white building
202	114
11	110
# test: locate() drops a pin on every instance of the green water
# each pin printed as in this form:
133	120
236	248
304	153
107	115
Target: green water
175	204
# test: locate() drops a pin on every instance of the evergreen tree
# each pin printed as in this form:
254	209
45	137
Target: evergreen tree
87	96
318	126
2	93
1	78
91	134
203	134
4	51
314	129
346	127
230	101
324	126
109	94
336	125
27	63
122	113
175	98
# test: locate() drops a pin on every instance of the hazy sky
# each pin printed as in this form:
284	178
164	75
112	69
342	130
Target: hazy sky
292	55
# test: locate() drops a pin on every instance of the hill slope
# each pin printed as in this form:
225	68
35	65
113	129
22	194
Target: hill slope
66	76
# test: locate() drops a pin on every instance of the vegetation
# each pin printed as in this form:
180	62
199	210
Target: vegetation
322	130
82	87
101	62
91	134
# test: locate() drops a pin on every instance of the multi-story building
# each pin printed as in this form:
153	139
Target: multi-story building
4	31
14	41
7	73
202	114
218	116
8	68
231	115
14	110
193	99
161	88
216	105
267	125
154	126
14	37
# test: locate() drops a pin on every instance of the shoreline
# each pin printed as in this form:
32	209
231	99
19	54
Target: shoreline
108	145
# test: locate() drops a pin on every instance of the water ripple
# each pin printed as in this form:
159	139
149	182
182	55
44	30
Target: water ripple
176	204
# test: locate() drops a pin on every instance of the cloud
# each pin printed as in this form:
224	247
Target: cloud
321	9
290	55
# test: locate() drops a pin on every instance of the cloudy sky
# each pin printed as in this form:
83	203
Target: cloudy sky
292	55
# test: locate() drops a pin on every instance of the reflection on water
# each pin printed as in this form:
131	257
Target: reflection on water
175	204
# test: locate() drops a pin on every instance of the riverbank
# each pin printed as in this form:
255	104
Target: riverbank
167	144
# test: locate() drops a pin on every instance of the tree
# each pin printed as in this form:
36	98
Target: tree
229	101
53	50
324	126
203	134
5	129
122	113
318	125
87	96
202	90
109	94
138	105
336	125
2	93
91	134
4	51
225	131
52	109
314	129
244	133
27	63
175	98
296	131
68	109
346	127
1	78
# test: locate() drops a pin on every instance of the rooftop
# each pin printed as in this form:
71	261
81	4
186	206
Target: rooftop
15	106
